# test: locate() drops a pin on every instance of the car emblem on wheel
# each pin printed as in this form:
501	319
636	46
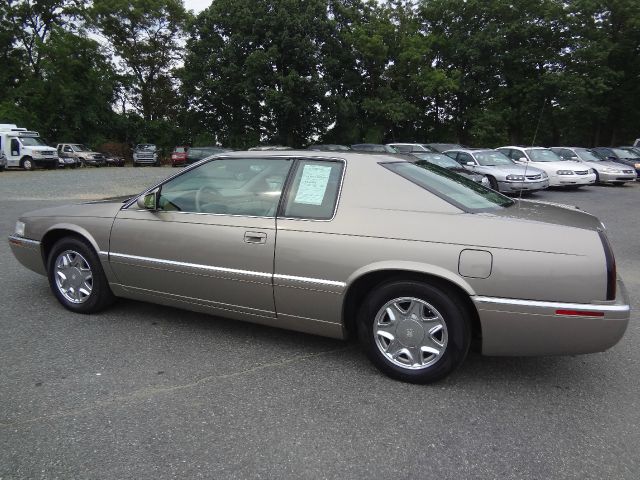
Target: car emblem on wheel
409	332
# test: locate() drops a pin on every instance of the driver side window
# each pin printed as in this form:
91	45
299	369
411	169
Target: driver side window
233	186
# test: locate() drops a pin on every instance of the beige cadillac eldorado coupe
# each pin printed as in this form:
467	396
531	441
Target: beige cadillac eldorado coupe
416	261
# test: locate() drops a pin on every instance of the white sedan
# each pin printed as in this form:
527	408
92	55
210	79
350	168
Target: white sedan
562	173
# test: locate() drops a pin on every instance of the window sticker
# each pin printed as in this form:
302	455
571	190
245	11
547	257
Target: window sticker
313	184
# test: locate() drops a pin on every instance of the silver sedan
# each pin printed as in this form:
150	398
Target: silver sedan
503	173
606	171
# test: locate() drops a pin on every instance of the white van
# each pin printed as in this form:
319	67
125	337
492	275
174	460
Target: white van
25	149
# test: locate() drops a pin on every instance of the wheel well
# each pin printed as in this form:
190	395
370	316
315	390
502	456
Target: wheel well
51	237
359	289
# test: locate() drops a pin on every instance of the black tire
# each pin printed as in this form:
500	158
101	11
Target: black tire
101	295
452	312
493	183
27	163
597	182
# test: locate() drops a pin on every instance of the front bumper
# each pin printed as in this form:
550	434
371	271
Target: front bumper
511	186
46	161
526	327
28	253
568	180
606	177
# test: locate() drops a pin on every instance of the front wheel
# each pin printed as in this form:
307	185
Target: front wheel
28	164
493	183
414	331
76	277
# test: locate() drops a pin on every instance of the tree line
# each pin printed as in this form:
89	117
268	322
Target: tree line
293	72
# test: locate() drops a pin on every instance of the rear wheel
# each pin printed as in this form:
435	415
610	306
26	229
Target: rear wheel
414	331
76	277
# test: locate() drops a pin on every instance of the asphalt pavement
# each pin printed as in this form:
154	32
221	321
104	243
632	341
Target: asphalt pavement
150	392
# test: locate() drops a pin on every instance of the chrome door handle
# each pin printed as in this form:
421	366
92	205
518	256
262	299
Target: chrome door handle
255	237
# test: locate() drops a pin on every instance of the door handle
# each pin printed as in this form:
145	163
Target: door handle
255	237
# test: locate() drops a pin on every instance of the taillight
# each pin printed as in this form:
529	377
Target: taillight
611	266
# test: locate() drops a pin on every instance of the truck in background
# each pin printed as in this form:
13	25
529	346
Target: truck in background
25	149
146	154
80	155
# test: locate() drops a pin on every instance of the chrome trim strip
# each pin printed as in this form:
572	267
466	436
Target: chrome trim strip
211	268
26	241
191	265
319	281
557	305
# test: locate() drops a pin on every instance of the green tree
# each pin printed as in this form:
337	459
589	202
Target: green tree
254	71
145	38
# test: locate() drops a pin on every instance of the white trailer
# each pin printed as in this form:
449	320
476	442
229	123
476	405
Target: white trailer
25	149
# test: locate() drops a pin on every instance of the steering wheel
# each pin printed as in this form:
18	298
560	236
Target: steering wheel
202	192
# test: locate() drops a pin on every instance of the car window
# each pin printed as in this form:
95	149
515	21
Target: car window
463	158
455	189
403	148
314	190
238	186
492	158
542	155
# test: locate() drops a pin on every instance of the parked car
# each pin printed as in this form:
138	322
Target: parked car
443	147
416	261
114	160
146	154
195	154
562	173
443	161
606	171
81	153
411	147
3	161
619	155
635	150
179	156
373	147
328	148
503	174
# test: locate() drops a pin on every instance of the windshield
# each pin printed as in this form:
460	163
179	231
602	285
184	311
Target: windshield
180	150
32	142
624	153
145	146
437	159
455	189
492	158
542	155
587	155
80	148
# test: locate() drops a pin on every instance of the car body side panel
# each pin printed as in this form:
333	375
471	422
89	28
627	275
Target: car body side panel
196	256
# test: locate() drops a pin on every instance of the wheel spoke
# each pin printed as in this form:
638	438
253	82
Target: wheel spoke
415	309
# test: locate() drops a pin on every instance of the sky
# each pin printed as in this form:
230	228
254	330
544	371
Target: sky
196	5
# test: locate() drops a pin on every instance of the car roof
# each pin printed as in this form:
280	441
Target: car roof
360	157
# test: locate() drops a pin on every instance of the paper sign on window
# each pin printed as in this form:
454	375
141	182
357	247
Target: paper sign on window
313	184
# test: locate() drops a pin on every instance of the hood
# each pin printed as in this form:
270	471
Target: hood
561	165
101	209
615	165
515	169
40	148
549	212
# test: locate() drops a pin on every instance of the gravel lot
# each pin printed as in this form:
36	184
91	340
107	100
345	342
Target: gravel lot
143	391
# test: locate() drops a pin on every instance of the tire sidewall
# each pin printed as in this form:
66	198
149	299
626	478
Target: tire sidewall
100	288
455	318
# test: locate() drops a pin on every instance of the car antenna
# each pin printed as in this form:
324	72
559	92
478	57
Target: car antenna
533	143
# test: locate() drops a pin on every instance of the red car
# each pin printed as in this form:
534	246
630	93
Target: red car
179	156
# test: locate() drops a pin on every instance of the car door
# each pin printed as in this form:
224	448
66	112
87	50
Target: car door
210	238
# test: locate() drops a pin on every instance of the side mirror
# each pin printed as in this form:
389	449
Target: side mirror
522	159
471	164
148	201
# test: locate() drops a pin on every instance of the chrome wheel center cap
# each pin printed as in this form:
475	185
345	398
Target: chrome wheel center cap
74	276
410	333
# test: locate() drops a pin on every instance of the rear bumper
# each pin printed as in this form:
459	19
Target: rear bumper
28	253
526	327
